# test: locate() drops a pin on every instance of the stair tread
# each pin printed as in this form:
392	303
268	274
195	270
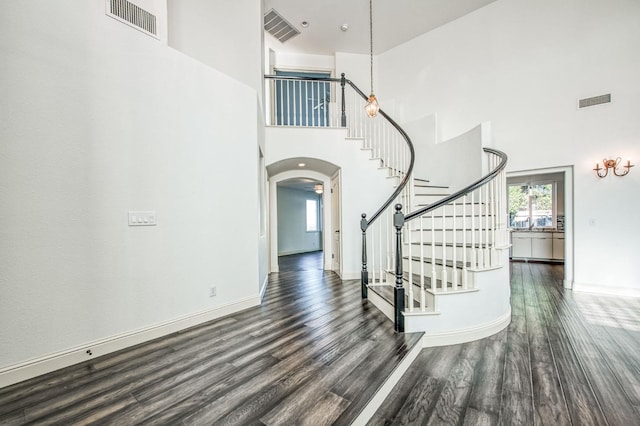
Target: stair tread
449	263
424	185
420	180
450	215
386	292
416	277
458	244
475	203
440	229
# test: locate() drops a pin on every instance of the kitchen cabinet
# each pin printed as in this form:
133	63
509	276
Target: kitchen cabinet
558	245
520	245
542	245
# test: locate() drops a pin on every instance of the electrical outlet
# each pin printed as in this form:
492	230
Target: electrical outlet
212	292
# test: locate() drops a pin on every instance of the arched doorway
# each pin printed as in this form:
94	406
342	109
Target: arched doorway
318	172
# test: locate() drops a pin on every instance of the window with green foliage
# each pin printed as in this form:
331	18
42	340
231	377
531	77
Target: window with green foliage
532	205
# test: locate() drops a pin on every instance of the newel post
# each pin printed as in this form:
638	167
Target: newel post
343	116
398	291
365	274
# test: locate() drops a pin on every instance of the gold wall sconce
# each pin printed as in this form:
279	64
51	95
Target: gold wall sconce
612	164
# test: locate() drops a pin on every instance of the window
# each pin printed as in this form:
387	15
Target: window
532	205
312	215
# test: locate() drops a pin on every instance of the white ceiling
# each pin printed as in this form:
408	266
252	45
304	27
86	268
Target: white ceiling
394	22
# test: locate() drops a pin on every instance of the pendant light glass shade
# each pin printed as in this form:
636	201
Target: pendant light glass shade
372	106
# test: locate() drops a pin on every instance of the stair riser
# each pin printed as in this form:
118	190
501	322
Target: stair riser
389	279
428	236
460	210
438	250
439	275
451	222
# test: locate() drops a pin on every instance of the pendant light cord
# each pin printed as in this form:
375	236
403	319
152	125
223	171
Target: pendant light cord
371	39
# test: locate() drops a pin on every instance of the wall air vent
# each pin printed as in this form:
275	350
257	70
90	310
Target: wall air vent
596	100
278	27
133	15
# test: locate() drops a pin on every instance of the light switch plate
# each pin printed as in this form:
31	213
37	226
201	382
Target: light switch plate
147	218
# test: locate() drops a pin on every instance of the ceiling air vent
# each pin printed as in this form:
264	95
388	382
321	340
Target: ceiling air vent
596	100
278	27
133	15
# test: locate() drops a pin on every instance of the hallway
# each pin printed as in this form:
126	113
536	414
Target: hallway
301	262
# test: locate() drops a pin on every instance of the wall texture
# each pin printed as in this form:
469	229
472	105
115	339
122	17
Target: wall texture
100	119
226	35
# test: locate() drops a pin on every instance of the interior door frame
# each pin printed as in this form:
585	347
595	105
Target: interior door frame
568	216
273	215
336	223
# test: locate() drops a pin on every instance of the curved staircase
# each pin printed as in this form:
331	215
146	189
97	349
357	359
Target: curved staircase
441	267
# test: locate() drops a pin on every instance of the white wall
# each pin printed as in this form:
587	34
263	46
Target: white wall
100	119
292	222
522	65
456	162
226	35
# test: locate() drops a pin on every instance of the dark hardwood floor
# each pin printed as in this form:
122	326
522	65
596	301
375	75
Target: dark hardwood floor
566	358
301	262
314	354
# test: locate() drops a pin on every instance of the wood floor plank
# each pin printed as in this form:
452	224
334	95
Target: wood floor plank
252	408
414	397
358	387
453	402
171	404
304	398
593	347
549	401
324	412
516	408
517	368
582	404
486	395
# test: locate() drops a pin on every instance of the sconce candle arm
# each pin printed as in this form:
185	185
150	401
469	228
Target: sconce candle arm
613	165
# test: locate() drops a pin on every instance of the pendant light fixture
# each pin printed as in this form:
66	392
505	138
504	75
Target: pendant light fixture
372	106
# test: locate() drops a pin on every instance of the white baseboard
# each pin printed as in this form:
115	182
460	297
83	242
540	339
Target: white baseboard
610	291
374	403
55	361
454	337
263	288
350	275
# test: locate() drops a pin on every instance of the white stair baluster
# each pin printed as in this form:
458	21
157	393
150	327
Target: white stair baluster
444	251
480	229
474	253
408	226
372	256
487	260
454	254
434	274
422	292
464	243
